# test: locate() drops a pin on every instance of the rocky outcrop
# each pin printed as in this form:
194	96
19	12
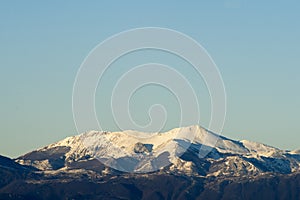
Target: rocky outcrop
141	148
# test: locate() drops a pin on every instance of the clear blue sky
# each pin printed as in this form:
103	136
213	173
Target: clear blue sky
255	45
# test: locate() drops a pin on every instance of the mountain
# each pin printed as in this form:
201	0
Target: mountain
183	163
176	152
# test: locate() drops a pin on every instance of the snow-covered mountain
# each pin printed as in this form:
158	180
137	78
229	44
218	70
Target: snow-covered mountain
188	151
183	163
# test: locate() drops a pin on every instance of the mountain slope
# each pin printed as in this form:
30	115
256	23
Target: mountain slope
11	171
77	185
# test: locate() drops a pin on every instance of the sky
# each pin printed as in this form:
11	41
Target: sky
255	45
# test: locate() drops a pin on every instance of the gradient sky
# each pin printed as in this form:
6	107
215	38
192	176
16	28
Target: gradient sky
255	44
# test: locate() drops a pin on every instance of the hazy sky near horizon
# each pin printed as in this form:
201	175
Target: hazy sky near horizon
255	45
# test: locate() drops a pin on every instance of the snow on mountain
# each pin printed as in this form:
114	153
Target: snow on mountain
261	149
297	151
176	151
